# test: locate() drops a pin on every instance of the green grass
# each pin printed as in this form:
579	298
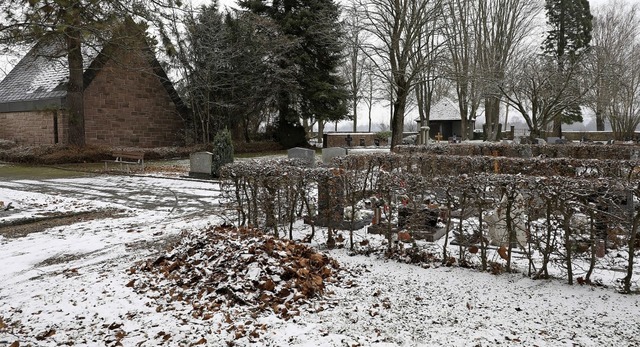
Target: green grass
258	154
36	172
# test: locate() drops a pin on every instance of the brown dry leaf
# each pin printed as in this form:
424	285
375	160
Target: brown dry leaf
268	285
3	325
302	273
316	280
120	334
317	258
303	262
113	326
45	334
202	341
131	283
15	344
503	252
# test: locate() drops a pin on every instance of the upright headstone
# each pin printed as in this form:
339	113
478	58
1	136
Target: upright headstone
540	141
552	139
304	154
332	152
331	201
348	140
200	164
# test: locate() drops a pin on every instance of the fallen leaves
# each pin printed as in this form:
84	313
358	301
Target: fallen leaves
226	267
45	334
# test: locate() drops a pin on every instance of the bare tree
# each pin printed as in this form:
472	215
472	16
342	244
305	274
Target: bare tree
396	27
463	67
624	109
501	26
431	86
370	90
538	92
354	68
615	30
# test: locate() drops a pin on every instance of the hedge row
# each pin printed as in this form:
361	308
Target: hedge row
571	150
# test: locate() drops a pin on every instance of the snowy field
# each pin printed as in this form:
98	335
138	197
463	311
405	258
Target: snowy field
71	284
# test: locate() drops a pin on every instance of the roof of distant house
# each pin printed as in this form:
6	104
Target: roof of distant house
445	109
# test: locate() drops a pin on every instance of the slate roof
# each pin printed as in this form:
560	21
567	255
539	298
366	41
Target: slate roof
446	109
39	80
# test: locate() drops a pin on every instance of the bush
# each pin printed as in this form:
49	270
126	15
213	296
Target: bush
256	147
291	135
222	150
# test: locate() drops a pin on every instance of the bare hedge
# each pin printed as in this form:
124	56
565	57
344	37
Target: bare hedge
565	206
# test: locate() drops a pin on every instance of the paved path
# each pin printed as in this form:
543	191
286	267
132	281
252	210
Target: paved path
150	211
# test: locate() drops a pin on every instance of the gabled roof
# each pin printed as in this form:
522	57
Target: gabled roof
444	110
39	80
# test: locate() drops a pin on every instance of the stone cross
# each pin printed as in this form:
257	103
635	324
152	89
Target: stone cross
348	139
439	137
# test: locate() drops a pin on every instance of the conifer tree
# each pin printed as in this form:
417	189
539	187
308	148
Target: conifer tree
319	92
567	40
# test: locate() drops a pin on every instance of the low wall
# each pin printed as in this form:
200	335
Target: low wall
357	139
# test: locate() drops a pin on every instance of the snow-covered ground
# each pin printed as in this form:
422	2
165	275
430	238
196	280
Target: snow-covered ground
71	284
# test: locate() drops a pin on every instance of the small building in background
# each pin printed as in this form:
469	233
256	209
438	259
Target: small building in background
444	119
128	99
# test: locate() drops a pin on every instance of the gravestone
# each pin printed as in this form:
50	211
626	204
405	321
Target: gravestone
540	141
306	155
348	140
331	202
526	152
552	139
362	142
496	221
200	164
332	152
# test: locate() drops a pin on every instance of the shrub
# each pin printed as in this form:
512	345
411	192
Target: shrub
222	150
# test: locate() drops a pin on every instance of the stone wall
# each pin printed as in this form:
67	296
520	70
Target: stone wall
339	140
33	128
127	105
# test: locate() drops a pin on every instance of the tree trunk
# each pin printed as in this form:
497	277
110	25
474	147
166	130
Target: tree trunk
320	130
355	115
599	121
557	126
75	88
397	120
492	116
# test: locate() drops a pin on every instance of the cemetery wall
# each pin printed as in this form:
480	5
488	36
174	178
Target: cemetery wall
357	139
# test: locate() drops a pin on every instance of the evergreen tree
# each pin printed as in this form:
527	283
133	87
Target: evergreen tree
567	40
319	93
222	150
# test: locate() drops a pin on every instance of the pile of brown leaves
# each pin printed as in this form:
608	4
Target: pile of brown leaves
225	267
